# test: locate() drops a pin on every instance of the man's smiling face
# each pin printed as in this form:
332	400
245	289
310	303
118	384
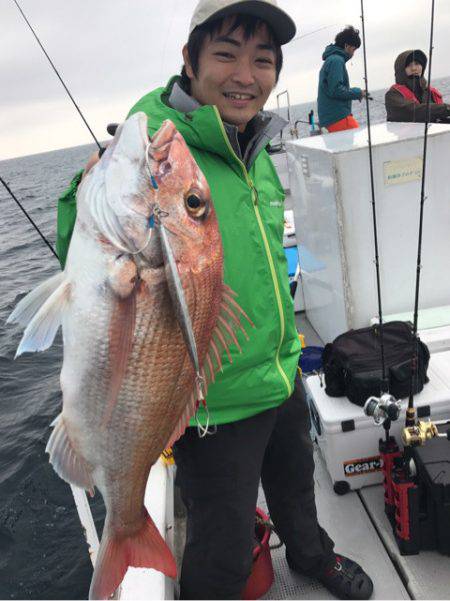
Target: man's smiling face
234	73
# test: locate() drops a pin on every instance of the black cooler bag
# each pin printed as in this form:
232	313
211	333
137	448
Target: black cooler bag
352	362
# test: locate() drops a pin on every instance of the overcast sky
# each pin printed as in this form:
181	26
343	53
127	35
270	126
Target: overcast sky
111	52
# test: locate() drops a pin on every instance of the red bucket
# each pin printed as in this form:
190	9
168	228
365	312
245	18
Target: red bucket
261	576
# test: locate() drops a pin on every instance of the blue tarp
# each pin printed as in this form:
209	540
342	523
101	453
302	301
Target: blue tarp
307	260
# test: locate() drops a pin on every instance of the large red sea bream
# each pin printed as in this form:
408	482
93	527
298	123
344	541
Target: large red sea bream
145	316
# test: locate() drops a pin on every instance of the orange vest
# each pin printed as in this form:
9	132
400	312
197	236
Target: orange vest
409	95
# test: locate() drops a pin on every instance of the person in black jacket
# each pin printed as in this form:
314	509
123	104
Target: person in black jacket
406	100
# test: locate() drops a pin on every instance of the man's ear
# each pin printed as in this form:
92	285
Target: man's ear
187	63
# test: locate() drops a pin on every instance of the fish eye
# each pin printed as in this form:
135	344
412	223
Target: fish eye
195	205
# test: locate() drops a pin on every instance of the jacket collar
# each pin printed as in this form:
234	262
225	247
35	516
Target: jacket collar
336	50
266	125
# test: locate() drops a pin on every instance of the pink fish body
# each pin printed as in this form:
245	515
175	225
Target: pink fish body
128	381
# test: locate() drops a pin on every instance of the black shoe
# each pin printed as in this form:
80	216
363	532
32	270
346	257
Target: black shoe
344	578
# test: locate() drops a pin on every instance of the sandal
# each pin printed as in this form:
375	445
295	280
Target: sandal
346	579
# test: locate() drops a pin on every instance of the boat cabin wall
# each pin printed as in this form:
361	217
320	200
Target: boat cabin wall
330	185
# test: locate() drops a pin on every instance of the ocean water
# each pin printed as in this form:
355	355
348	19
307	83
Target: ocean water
43	554
42	550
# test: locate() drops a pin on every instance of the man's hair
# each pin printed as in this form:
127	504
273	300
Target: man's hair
250	25
349	36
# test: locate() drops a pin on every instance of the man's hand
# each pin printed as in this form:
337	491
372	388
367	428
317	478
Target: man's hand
363	94
94	158
92	161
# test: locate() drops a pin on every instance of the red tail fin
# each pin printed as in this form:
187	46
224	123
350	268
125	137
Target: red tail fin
146	549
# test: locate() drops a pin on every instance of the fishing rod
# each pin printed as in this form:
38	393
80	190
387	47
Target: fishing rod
384	379
57	73
28	217
410	412
2	181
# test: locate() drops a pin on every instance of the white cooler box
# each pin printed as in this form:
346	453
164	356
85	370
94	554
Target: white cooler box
348	439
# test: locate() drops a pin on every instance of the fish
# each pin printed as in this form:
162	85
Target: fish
145	317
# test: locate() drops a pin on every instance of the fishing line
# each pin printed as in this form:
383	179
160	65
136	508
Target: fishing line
57	73
384	382
300	37
28	217
410	412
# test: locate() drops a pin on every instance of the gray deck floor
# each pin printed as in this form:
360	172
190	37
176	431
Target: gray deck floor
427	575
348	524
305	328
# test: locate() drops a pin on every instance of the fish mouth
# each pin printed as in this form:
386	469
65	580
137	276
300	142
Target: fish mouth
125	140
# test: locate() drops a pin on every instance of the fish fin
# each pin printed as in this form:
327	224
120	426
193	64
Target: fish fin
27	308
224	334
183	422
121	336
67	463
145	549
41	330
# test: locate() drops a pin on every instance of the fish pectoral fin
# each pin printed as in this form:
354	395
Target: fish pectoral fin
67	463
224	335
27	308
45	309
146	548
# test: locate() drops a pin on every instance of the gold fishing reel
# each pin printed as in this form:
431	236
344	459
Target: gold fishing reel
417	435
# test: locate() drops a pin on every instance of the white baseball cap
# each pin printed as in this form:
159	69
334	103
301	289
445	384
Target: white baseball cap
280	22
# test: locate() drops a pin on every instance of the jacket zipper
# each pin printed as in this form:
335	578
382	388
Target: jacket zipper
267	249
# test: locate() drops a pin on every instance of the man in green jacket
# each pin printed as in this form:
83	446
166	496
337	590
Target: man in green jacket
257	407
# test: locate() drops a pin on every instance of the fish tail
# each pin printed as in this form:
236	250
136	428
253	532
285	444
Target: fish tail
144	549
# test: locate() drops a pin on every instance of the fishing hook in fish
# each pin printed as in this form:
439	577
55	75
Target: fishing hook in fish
204	431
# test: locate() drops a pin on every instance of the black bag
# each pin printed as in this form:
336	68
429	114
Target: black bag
352	362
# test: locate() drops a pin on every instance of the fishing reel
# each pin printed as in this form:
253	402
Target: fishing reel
385	407
417	435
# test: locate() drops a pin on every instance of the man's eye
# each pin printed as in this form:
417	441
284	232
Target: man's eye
267	61
223	54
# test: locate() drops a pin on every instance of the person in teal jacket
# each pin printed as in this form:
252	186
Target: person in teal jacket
334	100
257	405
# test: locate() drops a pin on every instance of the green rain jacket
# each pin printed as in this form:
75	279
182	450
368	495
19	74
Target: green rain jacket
249	206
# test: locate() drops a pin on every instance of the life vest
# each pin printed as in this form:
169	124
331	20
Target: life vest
409	95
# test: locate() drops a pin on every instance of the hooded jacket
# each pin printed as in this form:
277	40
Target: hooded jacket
249	200
400	108
334	99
